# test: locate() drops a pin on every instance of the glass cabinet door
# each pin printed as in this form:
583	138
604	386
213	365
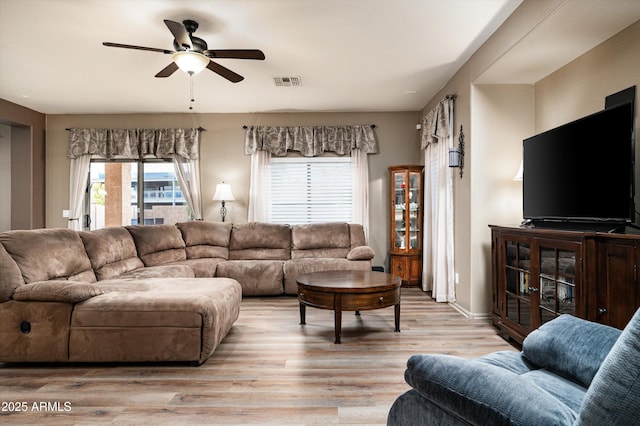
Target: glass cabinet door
414	210
518	283
406	210
557	282
400	225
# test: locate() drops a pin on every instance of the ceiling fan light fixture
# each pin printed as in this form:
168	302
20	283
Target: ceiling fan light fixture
190	62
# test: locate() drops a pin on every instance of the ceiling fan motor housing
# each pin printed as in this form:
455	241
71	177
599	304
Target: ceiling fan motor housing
197	44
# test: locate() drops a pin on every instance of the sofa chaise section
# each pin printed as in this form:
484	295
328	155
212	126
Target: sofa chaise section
157	319
52	308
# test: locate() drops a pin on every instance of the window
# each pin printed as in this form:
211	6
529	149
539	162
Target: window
113	198
311	190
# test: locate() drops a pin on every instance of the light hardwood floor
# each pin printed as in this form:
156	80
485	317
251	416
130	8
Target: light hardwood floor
268	370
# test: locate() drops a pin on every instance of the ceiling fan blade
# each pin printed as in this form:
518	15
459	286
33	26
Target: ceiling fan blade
179	33
235	53
168	70
129	46
225	72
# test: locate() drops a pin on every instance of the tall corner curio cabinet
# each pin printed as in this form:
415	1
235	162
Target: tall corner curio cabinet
406	199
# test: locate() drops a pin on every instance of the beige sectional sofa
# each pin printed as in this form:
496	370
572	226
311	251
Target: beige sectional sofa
152	293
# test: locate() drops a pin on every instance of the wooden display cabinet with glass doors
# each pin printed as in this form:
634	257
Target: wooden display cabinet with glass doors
538	275
406	198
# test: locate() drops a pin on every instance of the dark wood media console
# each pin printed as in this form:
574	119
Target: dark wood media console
539	274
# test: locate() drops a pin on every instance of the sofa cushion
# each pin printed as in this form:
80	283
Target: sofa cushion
112	252
260	241
294	267
481	393
257	277
48	254
206	239
203	267
158	244
356	232
361	253
320	240
154	320
56	291
160	271
570	347
614	395
10	276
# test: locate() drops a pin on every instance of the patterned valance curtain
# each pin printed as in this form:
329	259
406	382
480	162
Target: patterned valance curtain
134	144
436	124
310	141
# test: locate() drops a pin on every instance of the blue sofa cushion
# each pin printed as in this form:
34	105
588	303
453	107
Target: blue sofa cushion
482	393
570	347
509	360
614	395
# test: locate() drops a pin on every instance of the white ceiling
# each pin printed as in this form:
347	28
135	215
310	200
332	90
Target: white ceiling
351	55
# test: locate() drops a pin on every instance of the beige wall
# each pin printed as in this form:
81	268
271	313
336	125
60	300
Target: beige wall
5	177
502	117
27	194
497	117
223	158
580	88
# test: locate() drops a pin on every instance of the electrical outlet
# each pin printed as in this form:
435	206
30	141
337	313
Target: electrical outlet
65	213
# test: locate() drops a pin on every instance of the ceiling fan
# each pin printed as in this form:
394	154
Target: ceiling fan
191	53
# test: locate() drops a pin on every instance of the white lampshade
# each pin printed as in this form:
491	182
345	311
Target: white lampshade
190	62
520	174
223	192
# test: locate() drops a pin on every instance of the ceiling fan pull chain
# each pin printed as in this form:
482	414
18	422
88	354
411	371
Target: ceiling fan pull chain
191	91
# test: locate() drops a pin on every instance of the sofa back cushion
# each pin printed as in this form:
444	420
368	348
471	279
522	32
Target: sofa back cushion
112	252
614	395
48	254
206	239
356	232
158	244
570	347
260	241
320	240
10	275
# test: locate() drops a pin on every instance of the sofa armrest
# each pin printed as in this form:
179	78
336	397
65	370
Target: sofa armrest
481	393
571	347
56	291
361	253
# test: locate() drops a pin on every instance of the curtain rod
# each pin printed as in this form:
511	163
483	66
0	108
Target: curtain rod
451	96
373	126
200	129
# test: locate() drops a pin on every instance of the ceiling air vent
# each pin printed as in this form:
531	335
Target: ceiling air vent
287	81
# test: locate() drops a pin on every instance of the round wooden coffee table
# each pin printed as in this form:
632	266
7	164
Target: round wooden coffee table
348	291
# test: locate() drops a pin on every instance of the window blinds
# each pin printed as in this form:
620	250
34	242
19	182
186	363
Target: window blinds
311	190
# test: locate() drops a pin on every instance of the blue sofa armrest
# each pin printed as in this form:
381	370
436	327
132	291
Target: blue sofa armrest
481	393
570	347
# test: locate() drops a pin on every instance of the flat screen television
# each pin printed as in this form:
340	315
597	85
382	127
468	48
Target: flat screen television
582	172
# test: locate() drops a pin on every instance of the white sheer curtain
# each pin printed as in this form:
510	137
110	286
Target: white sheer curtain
259	187
188	174
78	180
360	175
438	255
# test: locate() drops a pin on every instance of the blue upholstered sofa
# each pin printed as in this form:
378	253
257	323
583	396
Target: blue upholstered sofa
570	372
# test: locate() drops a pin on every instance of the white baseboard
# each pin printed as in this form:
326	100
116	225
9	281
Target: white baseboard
470	315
